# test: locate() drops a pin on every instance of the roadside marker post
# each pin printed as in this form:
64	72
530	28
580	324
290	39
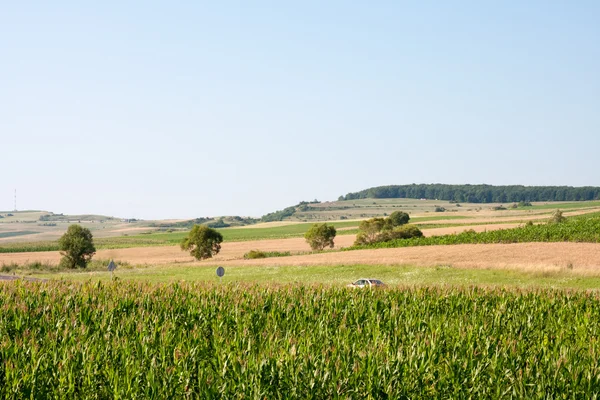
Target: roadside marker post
111	267
220	273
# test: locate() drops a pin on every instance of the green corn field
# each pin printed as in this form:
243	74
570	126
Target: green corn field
131	340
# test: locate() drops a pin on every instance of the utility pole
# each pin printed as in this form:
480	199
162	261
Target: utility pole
15	200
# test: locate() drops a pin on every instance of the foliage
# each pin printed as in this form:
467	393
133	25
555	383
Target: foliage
253	254
439	209
320	236
202	242
369	230
76	247
479	193
397	218
400	232
279	215
127	340
218	224
376	230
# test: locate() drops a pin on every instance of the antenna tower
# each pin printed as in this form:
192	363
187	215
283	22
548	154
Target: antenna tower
15	200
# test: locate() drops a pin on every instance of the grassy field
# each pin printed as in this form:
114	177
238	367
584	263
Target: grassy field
561	205
340	275
132	340
14	234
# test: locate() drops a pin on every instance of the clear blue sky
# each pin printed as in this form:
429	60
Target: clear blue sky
196	108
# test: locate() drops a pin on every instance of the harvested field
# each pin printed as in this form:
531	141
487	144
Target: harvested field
582	258
172	254
230	250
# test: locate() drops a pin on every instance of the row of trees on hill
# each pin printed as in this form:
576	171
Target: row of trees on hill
478	193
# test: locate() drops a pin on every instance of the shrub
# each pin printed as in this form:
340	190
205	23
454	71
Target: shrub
440	209
557	217
252	254
401	232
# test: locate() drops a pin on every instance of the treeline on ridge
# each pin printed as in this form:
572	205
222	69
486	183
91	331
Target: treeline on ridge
478	193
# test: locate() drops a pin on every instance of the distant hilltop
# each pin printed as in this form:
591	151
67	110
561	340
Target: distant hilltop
478	193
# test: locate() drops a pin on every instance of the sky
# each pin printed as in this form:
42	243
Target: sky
183	109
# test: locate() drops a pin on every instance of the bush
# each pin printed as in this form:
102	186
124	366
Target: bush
557	217
397	218
76	247
202	242
253	254
320	236
369	230
401	232
440	209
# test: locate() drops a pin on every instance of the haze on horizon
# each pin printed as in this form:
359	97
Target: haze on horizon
162	110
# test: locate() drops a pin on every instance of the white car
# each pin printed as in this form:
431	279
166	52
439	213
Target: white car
367	282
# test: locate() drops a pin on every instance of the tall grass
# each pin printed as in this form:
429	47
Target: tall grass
124	340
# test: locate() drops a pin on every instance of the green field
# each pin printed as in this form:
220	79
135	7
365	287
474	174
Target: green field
393	275
131	340
561	206
15	233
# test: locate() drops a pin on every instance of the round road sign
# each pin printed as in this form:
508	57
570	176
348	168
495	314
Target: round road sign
220	271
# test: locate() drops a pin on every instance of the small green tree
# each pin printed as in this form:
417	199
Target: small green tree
202	242
320	236
76	247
